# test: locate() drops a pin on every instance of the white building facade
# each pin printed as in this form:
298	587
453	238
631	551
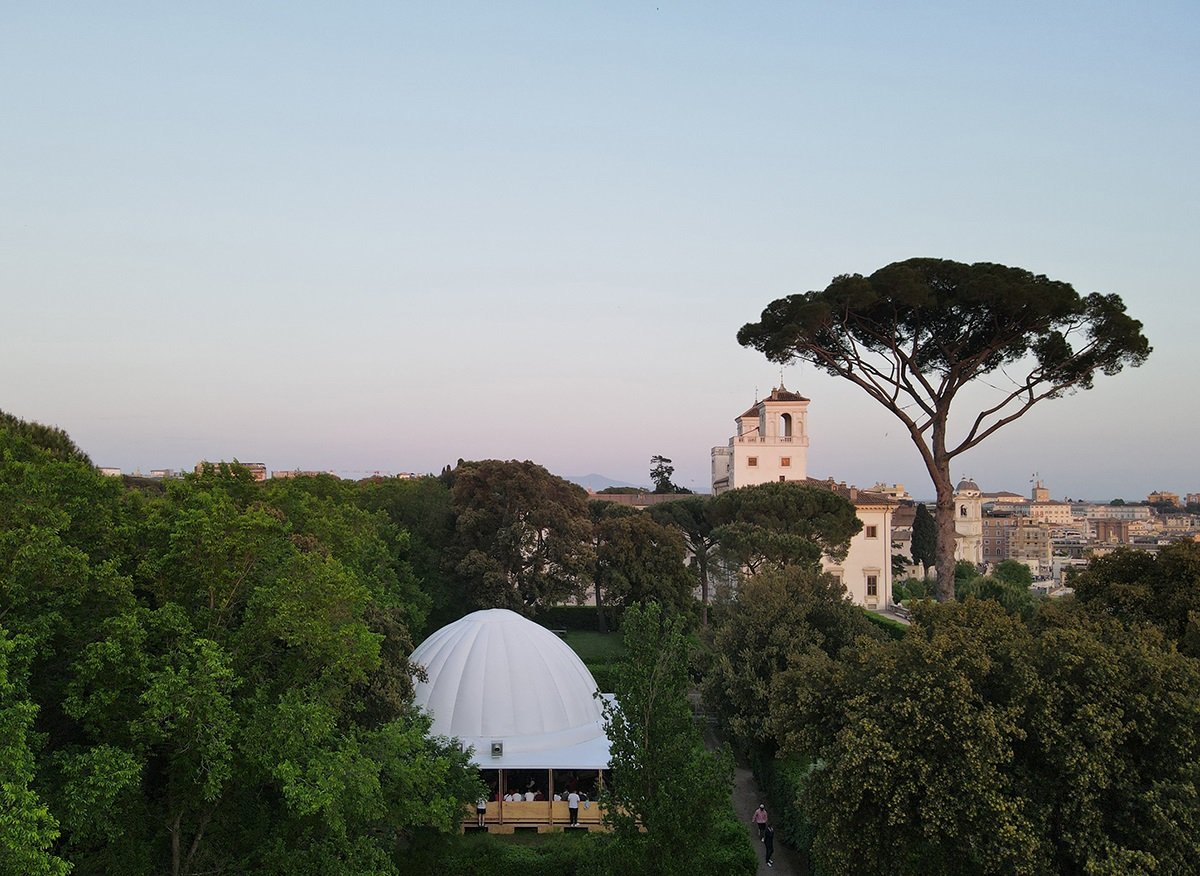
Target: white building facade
968	522
771	445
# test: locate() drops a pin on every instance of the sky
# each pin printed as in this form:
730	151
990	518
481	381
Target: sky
385	236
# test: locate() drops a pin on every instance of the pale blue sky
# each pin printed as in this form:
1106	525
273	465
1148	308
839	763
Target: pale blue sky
389	235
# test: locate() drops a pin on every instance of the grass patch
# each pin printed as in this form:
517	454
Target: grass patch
595	647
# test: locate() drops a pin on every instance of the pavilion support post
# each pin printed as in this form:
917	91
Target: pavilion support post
550	796
500	789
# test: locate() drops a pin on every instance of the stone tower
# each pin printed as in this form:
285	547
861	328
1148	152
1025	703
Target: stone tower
968	522
771	444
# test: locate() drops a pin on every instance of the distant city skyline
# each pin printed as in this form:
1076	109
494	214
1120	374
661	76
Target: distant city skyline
387	236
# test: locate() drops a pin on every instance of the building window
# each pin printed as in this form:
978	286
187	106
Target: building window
871	531
782	478
752	461
872	585
785	461
962	511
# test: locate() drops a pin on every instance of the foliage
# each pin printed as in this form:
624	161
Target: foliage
924	538
1016	598
51	439
27	829
218	673
964	571
915	333
1013	572
912	588
894	628
421	510
660	475
696	520
638	560
521	537
782	780
783	523
664	782
779	620
569	617
1138	587
976	744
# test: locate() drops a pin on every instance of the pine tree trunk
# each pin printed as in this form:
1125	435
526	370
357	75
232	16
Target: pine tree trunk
946	536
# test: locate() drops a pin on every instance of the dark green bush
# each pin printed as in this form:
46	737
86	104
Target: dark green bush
568	617
893	628
559	854
782	780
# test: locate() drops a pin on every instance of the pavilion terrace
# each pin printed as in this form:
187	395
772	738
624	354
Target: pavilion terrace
528	708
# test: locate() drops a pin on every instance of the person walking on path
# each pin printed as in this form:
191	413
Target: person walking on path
760	818
769	839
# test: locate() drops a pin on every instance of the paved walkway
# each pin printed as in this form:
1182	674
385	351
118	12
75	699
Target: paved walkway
746	798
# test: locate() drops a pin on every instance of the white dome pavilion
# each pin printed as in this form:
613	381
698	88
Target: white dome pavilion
496	677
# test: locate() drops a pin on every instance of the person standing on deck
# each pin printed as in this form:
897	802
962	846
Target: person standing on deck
573	807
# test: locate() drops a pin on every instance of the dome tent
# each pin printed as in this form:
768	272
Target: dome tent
513	691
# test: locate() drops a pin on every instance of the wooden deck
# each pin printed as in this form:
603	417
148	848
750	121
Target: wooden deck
542	816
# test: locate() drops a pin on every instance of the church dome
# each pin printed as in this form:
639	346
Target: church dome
967	484
497	676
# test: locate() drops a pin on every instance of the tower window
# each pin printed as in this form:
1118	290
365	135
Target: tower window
752	461
962	511
785	461
871	531
872	585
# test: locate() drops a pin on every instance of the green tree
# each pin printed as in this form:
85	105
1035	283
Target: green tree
1013	572
51	439
218	674
1143	588
979	744
1014	596
637	560
421	509
27	829
783	523
522	535
782	619
667	795
924	538
915	333
696	520
661	471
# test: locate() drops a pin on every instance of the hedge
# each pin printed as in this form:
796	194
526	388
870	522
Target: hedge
782	780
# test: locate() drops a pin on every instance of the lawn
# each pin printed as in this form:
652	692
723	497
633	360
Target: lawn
595	647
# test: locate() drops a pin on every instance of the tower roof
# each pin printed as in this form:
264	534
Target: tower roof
967	484
780	394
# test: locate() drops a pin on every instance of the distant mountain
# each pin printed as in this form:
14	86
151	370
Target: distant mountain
598	482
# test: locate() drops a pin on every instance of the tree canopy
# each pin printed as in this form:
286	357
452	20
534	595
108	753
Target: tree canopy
915	333
669	796
783	523
661	471
522	535
979	744
211	677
